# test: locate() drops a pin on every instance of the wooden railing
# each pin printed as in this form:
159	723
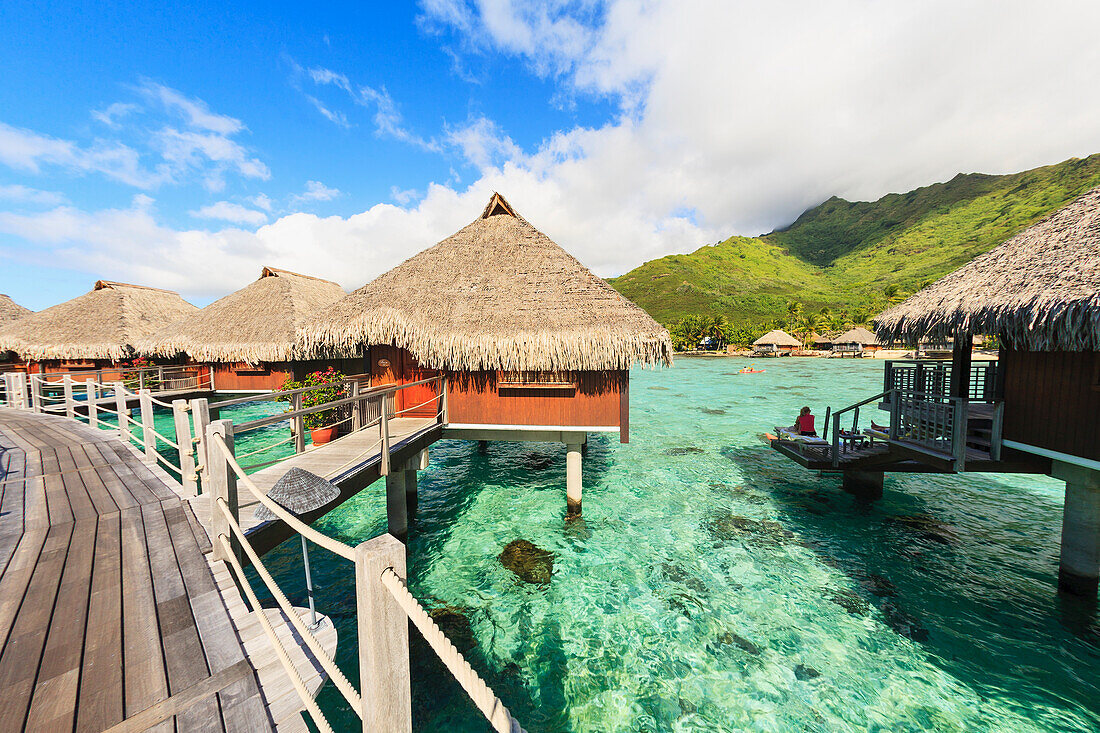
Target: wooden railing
384	608
354	410
933	377
162	378
932	422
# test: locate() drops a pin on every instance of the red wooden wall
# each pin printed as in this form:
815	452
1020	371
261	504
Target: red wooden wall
1052	400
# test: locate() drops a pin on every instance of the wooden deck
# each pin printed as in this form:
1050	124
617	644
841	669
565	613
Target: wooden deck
111	617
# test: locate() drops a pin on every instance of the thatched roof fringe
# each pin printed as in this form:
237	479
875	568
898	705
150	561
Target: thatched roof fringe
1040	290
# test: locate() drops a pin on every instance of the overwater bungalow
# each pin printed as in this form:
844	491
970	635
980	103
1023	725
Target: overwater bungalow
96	330
249	337
775	343
533	344
1033	410
9	311
857	341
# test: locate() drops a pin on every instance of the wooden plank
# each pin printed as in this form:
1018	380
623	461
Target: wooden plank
101	684
240	701
105	475
54	699
22	651
16	578
57	499
125	473
84	483
144	676
183	652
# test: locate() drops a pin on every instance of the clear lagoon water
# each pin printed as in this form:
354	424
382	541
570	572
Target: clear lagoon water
713	585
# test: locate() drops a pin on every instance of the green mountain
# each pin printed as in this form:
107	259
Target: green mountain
846	255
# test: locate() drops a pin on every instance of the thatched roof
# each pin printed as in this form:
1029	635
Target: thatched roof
105	323
858	335
10	310
1040	290
257	323
497	294
777	338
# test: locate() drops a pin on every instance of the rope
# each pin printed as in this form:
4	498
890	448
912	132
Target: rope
433	399
280	650
334	672
486	700
333	546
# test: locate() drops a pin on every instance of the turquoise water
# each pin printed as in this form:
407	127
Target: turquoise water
714	585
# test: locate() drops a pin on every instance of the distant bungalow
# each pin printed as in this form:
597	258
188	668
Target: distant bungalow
776	343
1033	410
856	342
92	331
249	336
535	346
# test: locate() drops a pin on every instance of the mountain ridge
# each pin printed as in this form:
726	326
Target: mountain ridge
855	256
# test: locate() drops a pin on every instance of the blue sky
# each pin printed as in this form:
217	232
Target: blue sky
187	145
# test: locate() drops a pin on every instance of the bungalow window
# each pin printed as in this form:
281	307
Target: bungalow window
259	370
536	380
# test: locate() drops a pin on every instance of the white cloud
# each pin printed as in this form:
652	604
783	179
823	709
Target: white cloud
194	111
111	115
404	197
24	195
748	113
261	201
185	149
317	191
227	211
388	121
29	151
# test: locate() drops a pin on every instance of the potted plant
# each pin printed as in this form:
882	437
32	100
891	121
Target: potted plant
328	386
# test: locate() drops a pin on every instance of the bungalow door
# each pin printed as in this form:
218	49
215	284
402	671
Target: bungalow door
417	401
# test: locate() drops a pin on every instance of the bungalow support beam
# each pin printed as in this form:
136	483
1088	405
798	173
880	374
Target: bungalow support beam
1079	568
573	461
397	512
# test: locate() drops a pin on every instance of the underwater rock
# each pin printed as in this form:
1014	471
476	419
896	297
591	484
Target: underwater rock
803	673
530	563
730	527
881	586
677	574
683	451
712	411
903	623
851	602
453	622
663	389
927	527
727	638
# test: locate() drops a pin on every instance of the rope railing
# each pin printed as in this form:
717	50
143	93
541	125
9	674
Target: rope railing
335	674
482	695
280	650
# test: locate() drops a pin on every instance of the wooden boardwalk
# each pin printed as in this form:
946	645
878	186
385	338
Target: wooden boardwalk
110	615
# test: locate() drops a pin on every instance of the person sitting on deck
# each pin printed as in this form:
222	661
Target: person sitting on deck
804	424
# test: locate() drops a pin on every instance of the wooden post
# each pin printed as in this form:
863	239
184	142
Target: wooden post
397	514
384	466
221	483
200	415
572	479
120	408
895	415
356	408
67	388
411	499
212	378
160	377
92	396
960	365
445	385
141	379
995	433
24	393
148	434
36	392
384	676
958	436
186	447
1079	566
298	424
